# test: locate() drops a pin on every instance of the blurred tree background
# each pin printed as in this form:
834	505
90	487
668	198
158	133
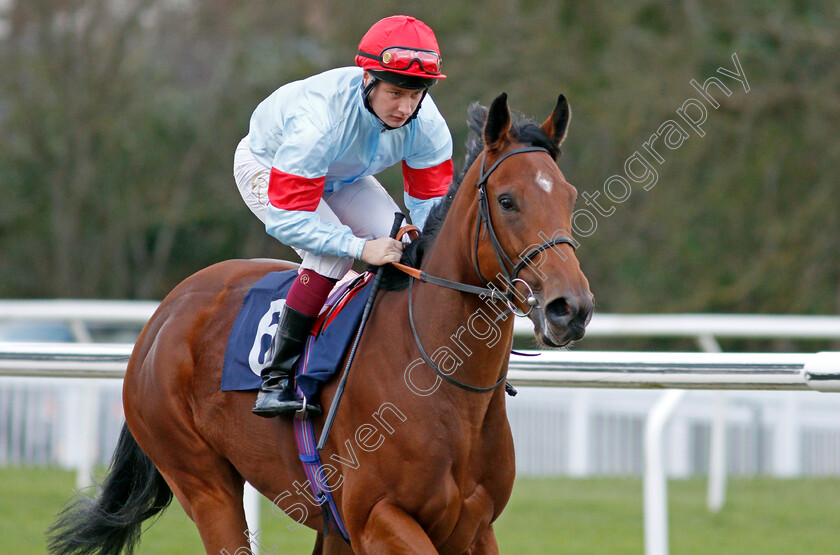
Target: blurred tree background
119	119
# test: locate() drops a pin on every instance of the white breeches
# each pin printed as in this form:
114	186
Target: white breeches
364	206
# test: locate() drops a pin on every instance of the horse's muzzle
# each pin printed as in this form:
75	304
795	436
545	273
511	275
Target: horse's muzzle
563	319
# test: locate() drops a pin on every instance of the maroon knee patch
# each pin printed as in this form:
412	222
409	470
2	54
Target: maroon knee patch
309	292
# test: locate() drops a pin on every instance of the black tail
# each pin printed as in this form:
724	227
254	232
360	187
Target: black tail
133	491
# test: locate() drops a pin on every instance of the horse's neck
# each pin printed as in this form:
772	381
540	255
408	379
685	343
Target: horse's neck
451	254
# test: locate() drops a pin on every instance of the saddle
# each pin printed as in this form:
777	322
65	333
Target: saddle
247	350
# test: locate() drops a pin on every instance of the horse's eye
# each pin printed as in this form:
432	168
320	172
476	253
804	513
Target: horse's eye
507	204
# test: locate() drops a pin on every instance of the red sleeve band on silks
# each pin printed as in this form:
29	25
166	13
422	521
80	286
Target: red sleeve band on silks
292	192
429	182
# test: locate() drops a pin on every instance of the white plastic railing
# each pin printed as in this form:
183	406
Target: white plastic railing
64	360
602	325
758	326
636	369
78	314
80	310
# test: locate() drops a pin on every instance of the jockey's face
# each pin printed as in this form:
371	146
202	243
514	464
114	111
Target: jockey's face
392	104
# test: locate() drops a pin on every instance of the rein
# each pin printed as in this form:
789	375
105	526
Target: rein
491	291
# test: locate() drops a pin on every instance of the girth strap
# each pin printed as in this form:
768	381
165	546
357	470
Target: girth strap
312	466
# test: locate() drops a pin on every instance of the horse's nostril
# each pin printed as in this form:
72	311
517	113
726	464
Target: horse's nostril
558	311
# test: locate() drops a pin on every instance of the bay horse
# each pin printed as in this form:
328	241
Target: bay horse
416	465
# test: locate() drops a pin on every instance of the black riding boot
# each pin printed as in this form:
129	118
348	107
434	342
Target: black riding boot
277	392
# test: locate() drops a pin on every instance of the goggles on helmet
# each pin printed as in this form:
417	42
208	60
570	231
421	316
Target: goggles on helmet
400	58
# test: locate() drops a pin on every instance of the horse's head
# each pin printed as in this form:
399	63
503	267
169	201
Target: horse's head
523	235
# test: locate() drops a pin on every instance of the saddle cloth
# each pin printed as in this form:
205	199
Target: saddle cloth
246	353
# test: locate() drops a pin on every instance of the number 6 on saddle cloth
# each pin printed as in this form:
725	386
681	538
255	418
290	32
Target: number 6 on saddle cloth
247	350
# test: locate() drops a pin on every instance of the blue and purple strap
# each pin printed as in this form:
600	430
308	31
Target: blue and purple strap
312	467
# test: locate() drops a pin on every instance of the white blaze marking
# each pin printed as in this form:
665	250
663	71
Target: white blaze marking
544	182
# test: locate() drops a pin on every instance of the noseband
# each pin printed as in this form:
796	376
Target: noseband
490	291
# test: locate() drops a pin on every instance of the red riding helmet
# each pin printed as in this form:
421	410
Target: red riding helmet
401	50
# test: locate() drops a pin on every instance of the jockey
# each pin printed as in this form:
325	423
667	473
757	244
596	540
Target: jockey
306	170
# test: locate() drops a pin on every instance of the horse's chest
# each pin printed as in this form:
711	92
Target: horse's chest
467	500
468	513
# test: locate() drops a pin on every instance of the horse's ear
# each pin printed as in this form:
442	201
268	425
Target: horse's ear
498	123
558	122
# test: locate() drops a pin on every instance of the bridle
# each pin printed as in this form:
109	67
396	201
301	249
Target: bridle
512	276
490	290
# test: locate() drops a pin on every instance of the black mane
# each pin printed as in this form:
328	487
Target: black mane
522	129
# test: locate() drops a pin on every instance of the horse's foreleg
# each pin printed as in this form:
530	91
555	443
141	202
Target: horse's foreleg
318	548
473	528
485	543
334	544
389	529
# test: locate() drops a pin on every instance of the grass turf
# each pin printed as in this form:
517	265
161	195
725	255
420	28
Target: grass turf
551	515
